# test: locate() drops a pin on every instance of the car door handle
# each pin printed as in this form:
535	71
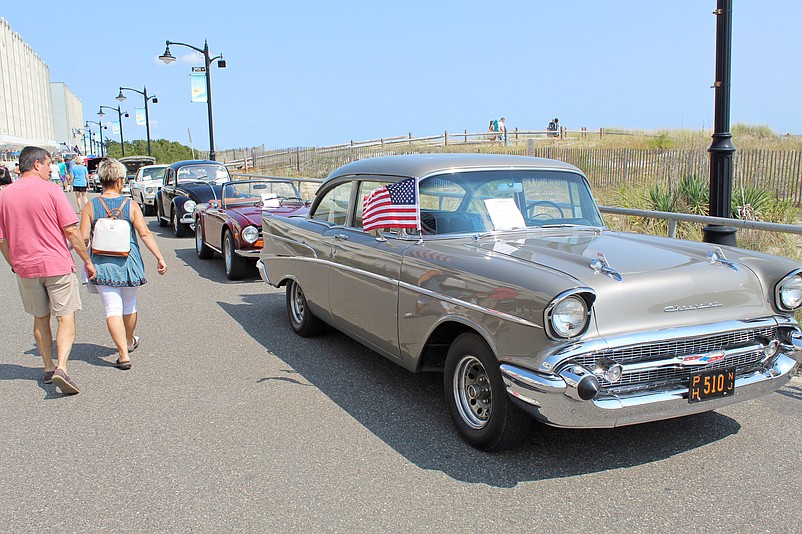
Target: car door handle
341	237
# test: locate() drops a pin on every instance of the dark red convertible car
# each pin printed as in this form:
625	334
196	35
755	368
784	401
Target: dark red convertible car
231	225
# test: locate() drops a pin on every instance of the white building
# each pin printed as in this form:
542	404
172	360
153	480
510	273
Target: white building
32	110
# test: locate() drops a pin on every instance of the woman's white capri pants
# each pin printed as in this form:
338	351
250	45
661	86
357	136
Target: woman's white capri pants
118	301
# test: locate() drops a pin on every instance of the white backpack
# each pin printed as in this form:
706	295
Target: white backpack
112	234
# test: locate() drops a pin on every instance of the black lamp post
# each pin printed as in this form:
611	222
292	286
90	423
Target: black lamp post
100	127
144	93
120	115
168	58
722	149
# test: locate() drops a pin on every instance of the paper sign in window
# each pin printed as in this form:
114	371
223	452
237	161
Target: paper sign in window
504	213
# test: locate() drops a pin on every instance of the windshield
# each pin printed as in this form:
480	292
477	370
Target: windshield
203	173
153	173
483	201
252	192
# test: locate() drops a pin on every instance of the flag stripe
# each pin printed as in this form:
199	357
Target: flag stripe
392	206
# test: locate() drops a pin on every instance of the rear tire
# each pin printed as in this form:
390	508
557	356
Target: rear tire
236	266
477	398
303	321
201	249
148	210
160	214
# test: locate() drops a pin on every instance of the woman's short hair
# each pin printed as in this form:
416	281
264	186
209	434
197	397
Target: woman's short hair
109	171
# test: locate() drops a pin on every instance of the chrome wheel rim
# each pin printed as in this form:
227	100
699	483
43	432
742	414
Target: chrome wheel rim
227	252
297	303
175	222
472	393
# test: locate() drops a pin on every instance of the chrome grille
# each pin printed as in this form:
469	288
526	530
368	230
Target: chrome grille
662	350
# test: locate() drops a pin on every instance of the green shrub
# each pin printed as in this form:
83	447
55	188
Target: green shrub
661	142
660	198
694	194
750	203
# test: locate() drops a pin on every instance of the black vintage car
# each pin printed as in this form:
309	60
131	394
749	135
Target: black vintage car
186	184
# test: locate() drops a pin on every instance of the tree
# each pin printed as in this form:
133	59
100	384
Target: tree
164	151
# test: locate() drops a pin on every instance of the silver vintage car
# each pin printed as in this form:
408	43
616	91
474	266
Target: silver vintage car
513	287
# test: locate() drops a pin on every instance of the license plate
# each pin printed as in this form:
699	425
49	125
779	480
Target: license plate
712	384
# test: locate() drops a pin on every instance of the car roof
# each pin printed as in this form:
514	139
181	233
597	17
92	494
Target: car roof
179	164
419	165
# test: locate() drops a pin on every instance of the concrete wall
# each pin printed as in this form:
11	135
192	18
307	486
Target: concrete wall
67	114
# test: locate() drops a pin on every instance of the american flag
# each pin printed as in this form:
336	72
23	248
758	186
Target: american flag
392	206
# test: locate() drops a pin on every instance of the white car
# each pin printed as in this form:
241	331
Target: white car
146	183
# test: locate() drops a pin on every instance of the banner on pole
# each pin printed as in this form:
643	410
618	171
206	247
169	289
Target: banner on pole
115	128
198	82
140	116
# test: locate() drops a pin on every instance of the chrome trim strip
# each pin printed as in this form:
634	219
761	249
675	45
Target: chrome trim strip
249	253
260	266
469	305
294	242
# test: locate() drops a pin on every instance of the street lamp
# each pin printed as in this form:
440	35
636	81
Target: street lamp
82	131
168	58
100	127
144	93
120	115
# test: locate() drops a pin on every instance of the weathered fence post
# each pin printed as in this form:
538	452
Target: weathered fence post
466	137
445	138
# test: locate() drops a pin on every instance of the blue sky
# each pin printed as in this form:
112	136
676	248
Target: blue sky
314	72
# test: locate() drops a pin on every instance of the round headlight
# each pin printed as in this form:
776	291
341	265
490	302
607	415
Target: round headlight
569	316
789	292
148	190
250	234
189	206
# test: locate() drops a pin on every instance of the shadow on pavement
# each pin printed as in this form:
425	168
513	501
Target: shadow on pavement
408	413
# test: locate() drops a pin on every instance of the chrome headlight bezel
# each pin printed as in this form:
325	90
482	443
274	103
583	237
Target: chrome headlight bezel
189	206
250	234
568	315
149	190
788	292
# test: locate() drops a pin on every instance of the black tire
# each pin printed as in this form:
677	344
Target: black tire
477	398
303	321
148	210
201	249
236	266
160	214
179	229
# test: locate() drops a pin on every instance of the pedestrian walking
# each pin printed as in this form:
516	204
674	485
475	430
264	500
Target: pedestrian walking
36	223
502	130
5	177
118	277
80	182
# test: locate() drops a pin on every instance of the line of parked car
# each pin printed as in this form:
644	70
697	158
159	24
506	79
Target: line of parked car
511	286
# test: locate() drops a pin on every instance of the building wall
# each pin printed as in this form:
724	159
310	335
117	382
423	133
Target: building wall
67	114
26	109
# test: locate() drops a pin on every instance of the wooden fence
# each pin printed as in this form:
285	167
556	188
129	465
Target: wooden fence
774	170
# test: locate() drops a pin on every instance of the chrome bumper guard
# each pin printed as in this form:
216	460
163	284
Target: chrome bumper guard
554	400
260	266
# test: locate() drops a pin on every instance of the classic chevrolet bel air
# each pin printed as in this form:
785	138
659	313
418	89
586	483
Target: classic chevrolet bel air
513	287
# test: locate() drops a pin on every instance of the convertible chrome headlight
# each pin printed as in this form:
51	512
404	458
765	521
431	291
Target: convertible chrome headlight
568	314
789	292
189	206
250	234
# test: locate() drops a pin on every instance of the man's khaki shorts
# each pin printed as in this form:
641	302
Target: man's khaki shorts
58	295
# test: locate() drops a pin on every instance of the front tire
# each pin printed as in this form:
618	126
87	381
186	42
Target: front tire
483	413
179	229
201	249
303	321
235	265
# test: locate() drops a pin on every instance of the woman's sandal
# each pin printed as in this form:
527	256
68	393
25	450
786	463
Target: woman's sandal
133	347
123	365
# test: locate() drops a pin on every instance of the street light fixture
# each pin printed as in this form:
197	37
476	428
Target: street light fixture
100	127
144	93
120	114
168	58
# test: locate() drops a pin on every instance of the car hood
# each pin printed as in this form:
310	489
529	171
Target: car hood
652	282
201	191
148	183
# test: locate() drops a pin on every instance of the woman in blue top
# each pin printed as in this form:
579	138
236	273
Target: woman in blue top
118	277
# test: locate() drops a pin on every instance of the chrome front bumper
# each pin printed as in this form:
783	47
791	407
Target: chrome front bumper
552	399
251	253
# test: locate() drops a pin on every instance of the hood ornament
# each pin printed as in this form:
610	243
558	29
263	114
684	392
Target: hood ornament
717	256
600	266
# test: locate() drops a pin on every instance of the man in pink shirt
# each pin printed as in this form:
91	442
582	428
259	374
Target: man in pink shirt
36	221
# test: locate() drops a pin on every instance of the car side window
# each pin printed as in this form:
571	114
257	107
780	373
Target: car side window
365	188
169	177
333	207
